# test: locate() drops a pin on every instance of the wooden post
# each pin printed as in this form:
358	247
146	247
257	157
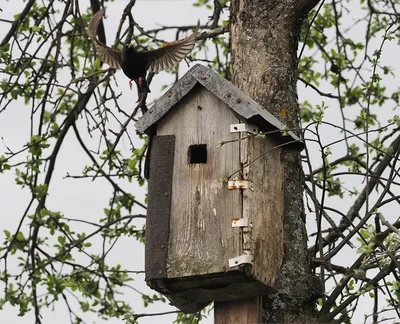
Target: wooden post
239	311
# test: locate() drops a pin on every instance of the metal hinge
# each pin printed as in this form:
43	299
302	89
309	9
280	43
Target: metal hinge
241	222
238	184
237	128
243	259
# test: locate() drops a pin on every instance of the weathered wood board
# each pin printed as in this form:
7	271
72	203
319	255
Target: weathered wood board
202	239
238	311
158	212
263	204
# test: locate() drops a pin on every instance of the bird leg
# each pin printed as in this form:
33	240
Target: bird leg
140	81
130	84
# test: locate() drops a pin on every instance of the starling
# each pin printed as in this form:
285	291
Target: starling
135	64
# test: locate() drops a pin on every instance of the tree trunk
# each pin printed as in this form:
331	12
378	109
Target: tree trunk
264	39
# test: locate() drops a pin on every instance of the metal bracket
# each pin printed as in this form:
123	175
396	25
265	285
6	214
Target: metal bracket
241	222
242	259
237	128
238	184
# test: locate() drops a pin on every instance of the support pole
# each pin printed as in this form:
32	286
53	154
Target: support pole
247	311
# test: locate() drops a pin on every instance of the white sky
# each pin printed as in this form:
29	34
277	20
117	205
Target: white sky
81	198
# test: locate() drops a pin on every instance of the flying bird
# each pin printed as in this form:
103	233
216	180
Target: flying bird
135	64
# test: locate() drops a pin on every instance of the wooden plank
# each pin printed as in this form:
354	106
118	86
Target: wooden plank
247	311
264	204
202	239
158	212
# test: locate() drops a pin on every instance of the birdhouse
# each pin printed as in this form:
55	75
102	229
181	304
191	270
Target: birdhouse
214	227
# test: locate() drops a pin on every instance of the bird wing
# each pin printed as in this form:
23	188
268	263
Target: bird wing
107	55
171	54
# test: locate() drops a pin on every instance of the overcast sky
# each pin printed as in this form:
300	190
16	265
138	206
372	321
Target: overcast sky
82	198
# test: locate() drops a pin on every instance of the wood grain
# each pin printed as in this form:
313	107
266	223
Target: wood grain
264	205
158	211
202	239
247	311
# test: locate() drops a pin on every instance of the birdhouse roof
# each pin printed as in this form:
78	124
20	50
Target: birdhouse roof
236	99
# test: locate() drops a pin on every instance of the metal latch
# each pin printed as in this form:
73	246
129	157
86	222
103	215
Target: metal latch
241	222
243	259
237	128
238	184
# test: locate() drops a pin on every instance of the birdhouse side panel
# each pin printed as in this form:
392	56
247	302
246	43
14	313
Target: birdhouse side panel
158	209
202	238
264	206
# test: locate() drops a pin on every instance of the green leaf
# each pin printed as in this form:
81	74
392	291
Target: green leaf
14	94
20	237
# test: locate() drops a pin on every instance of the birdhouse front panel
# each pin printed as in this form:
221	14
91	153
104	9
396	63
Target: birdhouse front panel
201	238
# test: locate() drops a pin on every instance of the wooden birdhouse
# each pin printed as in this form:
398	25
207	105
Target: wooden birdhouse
214	227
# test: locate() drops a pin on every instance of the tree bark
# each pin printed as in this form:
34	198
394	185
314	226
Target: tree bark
264	39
